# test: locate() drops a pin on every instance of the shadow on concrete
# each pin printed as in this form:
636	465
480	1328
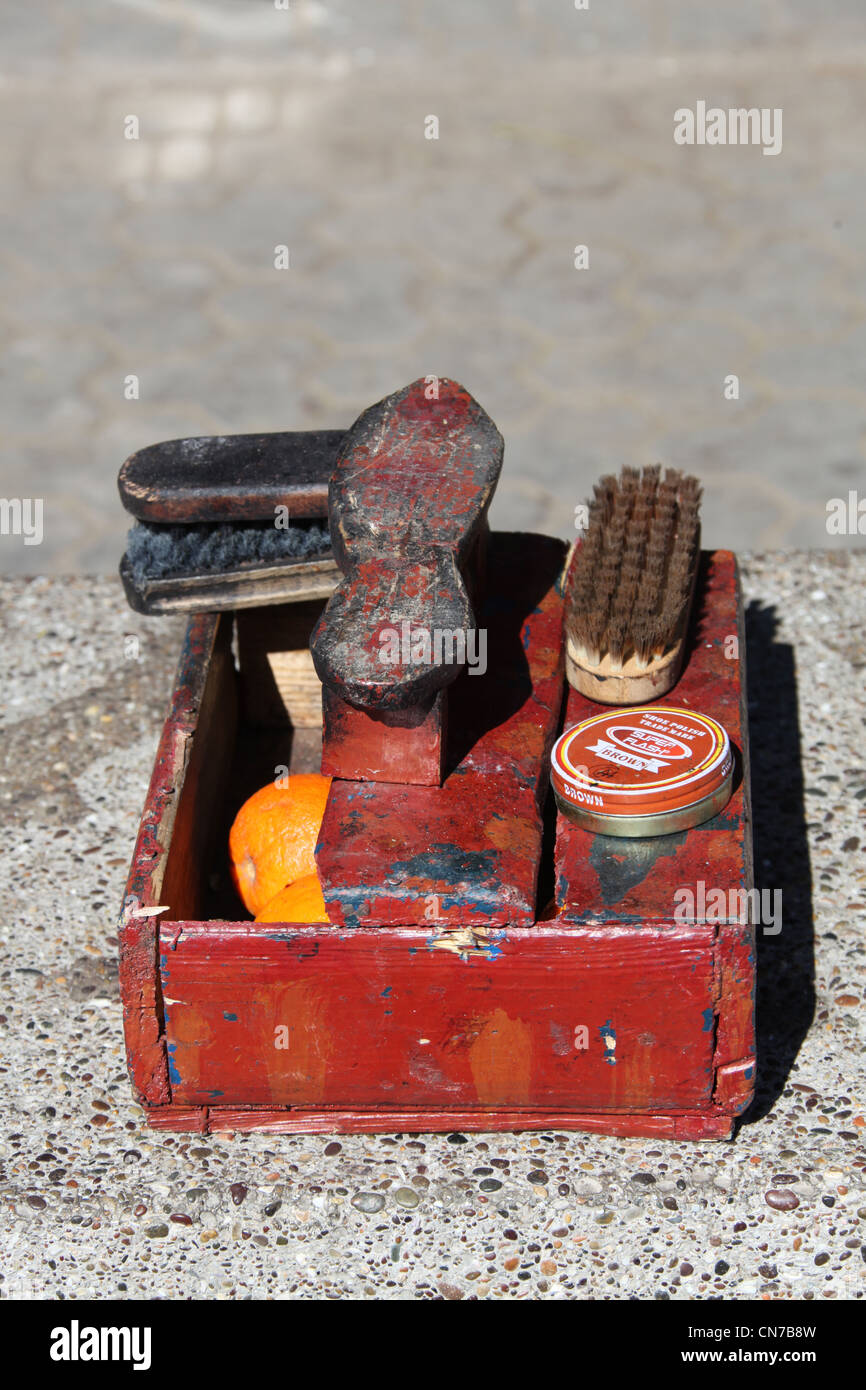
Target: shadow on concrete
785	1002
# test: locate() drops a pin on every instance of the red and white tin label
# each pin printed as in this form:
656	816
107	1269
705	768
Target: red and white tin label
641	762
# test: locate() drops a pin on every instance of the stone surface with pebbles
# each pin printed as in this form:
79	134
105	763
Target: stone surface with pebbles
95	1204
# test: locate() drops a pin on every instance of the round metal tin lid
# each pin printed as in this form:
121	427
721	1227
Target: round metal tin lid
642	761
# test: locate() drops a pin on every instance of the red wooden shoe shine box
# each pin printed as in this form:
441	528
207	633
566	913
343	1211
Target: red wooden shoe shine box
488	964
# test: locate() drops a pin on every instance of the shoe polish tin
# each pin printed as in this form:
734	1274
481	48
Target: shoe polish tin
652	770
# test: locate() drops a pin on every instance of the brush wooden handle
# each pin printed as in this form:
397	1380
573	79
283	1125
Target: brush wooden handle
235	477
632	682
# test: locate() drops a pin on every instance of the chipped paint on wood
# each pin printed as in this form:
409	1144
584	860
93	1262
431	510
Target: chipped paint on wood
467	942
608	1038
407	508
634	880
392	1029
466	853
385	1018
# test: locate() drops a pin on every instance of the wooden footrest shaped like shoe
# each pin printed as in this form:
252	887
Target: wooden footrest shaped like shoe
407	509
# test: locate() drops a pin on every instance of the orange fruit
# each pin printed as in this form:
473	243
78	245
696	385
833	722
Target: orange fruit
273	839
301	901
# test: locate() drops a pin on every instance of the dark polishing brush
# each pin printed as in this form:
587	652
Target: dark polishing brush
210	516
630	586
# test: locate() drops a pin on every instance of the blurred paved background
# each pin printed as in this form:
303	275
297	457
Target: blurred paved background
408	256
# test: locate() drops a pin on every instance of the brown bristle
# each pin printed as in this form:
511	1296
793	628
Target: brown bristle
633	574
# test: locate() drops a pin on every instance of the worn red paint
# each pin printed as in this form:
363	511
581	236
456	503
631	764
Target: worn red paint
407	510
288	1017
468	1021
468	851
636	881
361	746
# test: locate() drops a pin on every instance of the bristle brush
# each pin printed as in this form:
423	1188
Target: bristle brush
630	586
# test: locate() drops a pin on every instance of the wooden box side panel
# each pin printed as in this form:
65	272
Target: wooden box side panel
165	856
542	1018
278	681
204	787
735	1059
139	929
706	1125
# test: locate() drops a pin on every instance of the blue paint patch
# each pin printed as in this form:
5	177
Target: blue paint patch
230	1018
174	1075
607	1033
620	866
386	991
466	881
447	864
709	1019
723	821
749	1073
354	903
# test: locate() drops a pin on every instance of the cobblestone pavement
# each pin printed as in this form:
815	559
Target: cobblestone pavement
260	127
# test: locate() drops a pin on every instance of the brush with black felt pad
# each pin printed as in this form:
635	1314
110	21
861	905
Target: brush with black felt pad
232	521
630	586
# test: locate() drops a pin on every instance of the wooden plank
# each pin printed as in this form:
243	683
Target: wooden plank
358	745
200	638
464	853
184	1118
200	692
204	784
507	720
561	1018
138	971
735	1033
278	680
468	851
706	1125
600	877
